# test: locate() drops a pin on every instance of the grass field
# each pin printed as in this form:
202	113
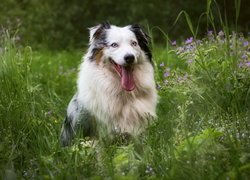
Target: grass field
202	130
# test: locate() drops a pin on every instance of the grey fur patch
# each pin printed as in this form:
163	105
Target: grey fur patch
78	120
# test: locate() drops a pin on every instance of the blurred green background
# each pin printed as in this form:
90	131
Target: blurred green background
59	24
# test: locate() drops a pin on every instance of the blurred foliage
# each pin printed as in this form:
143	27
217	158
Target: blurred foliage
202	130
61	24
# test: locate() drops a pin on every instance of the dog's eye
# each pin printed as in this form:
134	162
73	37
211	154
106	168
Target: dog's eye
134	43
114	45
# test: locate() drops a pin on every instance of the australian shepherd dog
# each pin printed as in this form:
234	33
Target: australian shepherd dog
115	85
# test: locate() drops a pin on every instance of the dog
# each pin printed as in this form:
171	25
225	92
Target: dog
115	86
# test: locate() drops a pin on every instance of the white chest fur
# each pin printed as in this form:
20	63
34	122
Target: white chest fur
100	92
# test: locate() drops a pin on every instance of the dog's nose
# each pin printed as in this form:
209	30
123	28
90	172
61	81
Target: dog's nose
129	58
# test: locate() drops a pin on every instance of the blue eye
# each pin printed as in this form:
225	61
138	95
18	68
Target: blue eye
114	45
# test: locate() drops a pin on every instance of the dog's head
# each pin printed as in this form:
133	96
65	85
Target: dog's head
121	49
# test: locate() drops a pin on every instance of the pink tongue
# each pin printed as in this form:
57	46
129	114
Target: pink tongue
127	79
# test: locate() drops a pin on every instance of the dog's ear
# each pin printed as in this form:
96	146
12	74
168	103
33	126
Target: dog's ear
96	31
92	31
139	33
143	39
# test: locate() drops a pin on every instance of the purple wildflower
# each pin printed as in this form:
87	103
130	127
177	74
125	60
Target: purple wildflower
244	56
210	33
190	47
173	43
240	65
248	64
167	72
162	64
189	40
245	43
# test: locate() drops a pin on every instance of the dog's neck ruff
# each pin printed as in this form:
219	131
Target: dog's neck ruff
102	95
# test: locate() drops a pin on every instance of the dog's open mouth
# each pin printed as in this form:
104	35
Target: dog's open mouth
126	74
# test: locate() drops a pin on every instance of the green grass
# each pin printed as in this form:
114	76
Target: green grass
202	130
